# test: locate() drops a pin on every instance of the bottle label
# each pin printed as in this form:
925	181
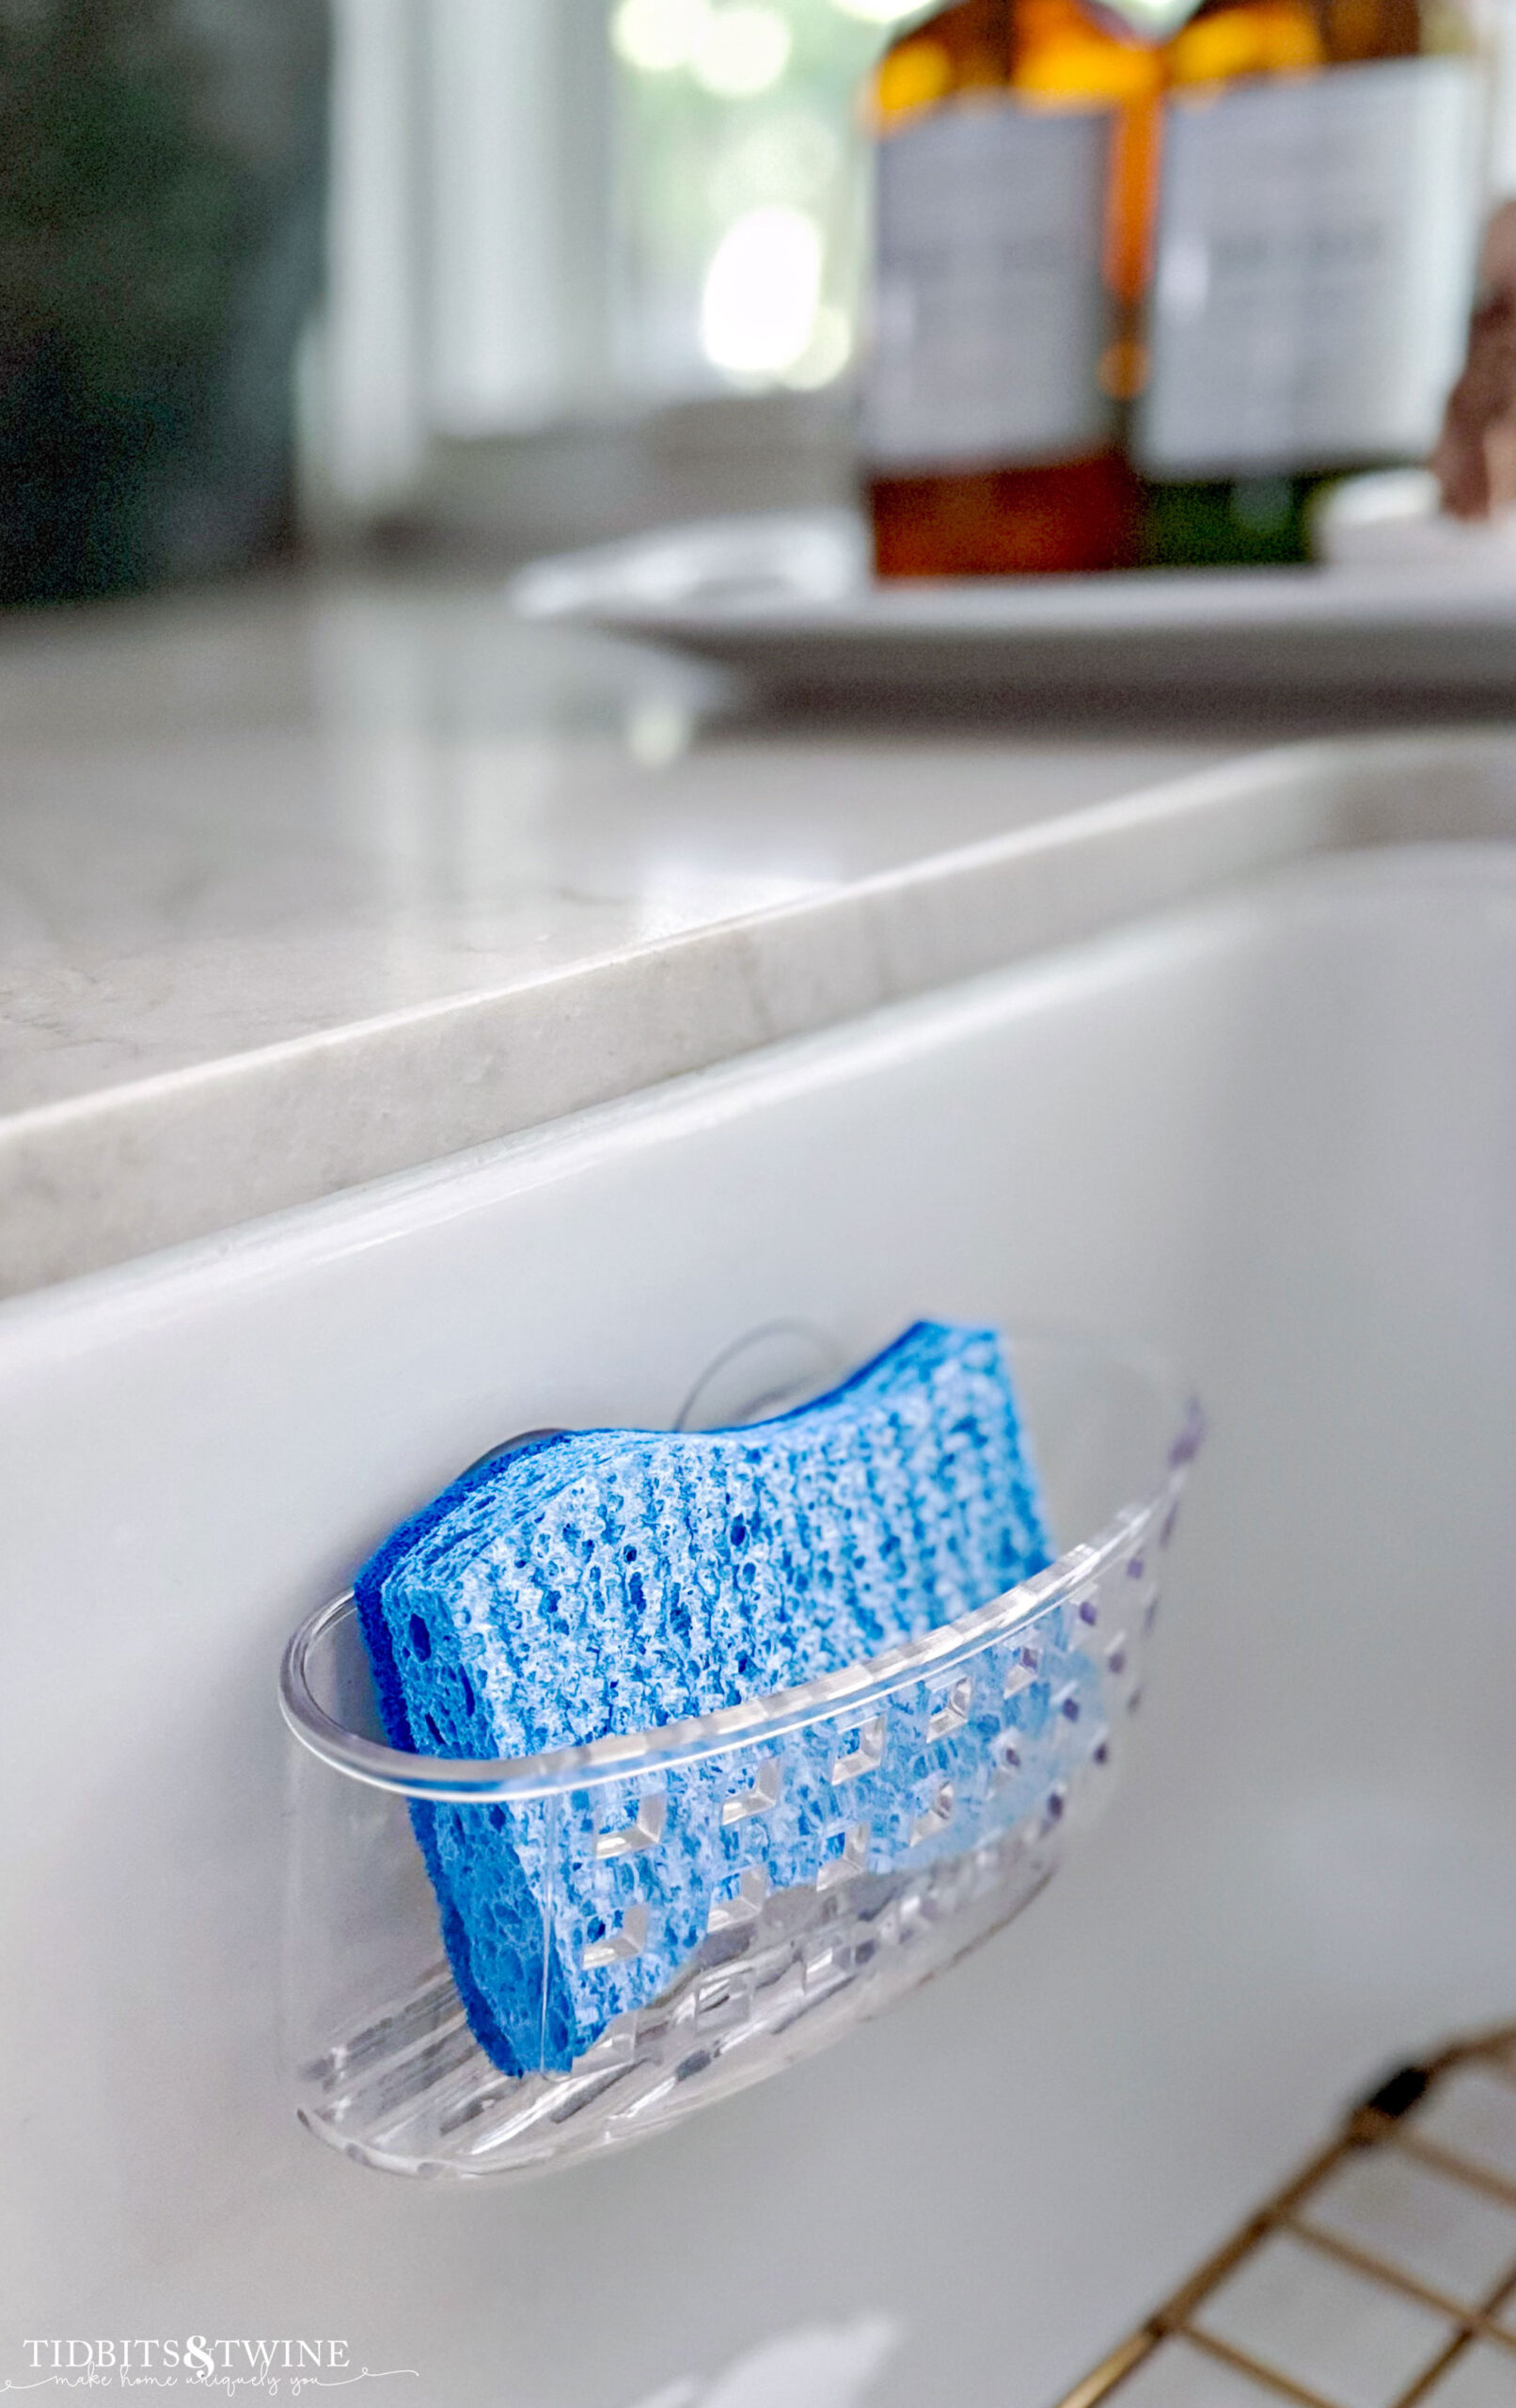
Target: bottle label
990	312
1152	20
1315	266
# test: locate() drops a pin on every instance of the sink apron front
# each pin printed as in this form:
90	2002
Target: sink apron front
1274	1134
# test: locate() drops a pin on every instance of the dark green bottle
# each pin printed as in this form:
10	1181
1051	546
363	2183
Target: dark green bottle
1314	246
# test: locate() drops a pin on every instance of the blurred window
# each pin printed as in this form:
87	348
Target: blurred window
738	204
548	211
556	213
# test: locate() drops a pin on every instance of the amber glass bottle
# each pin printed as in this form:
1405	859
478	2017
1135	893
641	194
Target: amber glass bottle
1014	189
1312	261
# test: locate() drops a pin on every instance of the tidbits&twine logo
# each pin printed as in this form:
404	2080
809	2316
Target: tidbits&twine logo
283	2366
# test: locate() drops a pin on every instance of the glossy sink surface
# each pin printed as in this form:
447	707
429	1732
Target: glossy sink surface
1274	1133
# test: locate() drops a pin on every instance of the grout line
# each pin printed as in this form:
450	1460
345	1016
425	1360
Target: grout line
1367	2127
1474	2320
1446	2161
1113	2370
1497	2298
1492	2301
1378	2270
1179	2306
1491	2046
1245	2364
1476	2326
1434	2374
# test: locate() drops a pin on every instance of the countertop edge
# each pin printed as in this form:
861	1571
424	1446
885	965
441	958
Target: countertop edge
130	1170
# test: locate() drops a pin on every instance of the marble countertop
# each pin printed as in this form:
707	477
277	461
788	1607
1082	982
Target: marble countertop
305	883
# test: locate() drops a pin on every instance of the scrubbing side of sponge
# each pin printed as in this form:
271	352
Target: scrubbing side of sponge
439	1712
616	1581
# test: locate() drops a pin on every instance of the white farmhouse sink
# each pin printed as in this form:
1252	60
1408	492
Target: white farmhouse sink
1274	1134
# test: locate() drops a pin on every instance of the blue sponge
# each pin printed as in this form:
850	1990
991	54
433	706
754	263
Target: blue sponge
600	1582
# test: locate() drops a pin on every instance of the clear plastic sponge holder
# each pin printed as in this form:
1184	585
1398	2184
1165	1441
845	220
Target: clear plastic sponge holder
947	1777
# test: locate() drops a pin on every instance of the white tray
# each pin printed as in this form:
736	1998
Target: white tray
787	597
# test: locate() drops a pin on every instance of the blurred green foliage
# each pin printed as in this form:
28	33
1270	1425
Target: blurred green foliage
160	204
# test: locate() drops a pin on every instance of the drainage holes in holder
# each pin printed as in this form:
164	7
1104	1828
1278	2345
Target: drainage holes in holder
1023	1670
938	1816
1006	1753
852	1858
954	1711
741	1904
621	1944
644	1829
865	1756
767	1783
